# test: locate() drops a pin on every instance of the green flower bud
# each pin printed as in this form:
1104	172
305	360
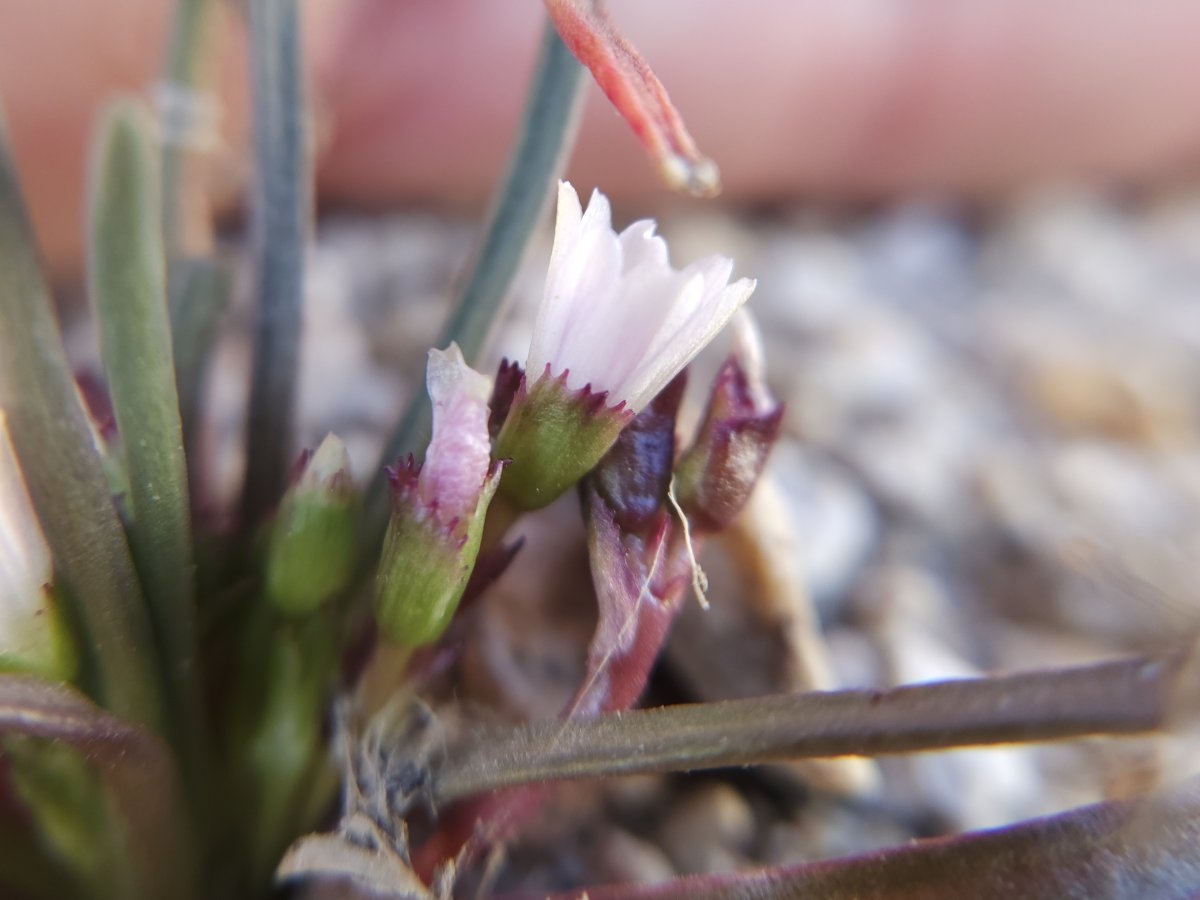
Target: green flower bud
311	552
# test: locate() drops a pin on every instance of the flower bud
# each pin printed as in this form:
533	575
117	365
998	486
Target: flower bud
717	473
33	635
311	553
438	509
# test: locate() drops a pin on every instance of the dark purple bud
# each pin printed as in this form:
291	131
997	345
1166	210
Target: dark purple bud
634	476
717	473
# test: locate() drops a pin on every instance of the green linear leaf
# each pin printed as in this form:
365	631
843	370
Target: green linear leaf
199	290
191	25
1121	697
135	766
127	285
280	211
53	443
547	132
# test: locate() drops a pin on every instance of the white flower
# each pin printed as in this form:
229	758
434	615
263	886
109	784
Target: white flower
458	460
615	314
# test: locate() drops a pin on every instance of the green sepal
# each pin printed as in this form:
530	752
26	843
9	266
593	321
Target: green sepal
552	437
426	562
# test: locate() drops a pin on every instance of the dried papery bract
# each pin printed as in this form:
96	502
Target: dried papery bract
642	555
639	565
636	92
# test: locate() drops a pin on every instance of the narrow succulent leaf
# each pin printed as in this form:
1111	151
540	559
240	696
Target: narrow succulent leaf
127	284
279	214
198	284
185	125
135	766
1121	697
198	294
66	481
546	135
1128	850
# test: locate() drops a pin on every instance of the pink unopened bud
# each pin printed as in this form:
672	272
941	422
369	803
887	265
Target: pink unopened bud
438	508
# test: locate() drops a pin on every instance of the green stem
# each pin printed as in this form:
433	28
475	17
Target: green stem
191	25
277	733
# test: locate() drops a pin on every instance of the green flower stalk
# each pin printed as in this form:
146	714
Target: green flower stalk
438	509
33	635
312	549
617	322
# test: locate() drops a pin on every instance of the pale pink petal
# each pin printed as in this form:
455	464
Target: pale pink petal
589	267
459	455
642	247
615	315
